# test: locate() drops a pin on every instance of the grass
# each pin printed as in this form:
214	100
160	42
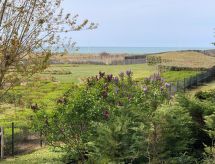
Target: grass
45	92
79	72
173	76
188	59
20	116
9	113
104	58
44	155
204	87
41	92
22	121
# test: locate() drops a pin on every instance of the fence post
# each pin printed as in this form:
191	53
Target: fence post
196	81
12	139
2	142
170	89
189	86
210	75
184	84
177	86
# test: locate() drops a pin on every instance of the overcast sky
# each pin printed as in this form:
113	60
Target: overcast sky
146	23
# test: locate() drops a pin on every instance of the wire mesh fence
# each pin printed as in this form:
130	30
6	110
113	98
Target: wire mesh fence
191	82
18	140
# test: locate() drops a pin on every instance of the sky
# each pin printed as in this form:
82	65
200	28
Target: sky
145	23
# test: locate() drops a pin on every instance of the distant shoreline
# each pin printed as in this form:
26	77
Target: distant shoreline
133	50
104	53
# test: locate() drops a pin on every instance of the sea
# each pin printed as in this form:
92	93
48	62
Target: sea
132	50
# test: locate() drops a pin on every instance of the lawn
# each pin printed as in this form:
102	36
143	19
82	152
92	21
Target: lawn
173	76
76	73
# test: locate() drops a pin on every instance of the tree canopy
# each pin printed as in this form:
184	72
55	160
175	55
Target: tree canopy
29	29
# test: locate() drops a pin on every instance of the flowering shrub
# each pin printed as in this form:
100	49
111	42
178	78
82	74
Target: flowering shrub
112	119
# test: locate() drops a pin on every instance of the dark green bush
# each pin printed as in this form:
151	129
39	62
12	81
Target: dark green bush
201	109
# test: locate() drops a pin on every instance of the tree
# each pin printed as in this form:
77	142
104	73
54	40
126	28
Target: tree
173	135
107	119
210	122
29	30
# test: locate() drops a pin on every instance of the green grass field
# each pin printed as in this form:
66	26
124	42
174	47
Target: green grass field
173	76
79	72
44	91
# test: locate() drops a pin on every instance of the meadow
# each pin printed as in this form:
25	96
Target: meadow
102	58
187	59
78	72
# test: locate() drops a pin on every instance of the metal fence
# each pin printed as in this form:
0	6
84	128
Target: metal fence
191	82
17	140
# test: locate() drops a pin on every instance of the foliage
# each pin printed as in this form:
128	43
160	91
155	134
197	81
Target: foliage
201	109
209	96
152	60
174	123
198	110
115	119
210	123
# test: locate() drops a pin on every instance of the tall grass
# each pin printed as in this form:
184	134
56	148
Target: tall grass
187	59
103	58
